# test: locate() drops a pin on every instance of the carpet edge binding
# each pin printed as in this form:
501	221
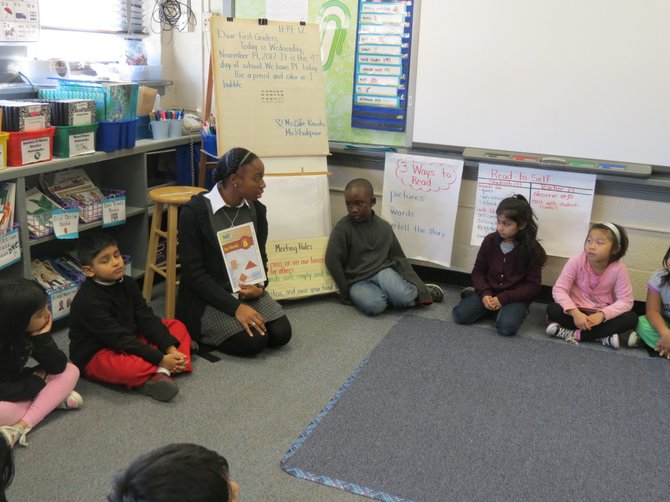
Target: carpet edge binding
325	480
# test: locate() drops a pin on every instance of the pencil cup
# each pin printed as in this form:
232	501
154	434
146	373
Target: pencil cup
159	128
175	128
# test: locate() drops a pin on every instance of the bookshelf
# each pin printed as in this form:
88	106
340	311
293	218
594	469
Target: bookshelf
122	169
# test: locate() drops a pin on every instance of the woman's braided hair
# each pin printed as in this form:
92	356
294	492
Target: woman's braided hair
230	163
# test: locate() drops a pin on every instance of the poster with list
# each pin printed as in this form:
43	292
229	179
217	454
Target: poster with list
420	201
268	83
561	202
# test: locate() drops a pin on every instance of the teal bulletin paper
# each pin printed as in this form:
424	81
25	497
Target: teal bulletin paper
337	28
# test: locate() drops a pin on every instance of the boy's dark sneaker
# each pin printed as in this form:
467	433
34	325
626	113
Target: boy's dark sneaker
160	386
436	293
469	291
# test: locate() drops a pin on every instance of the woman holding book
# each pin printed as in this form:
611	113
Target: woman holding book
228	310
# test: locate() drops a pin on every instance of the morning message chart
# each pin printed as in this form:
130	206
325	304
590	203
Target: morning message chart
561	202
268	83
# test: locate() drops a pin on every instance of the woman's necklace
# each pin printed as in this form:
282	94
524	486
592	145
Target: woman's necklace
232	222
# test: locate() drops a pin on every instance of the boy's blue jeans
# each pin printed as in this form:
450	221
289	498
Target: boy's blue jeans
508	319
387	286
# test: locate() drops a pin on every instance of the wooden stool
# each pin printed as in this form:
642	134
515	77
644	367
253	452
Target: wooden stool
207	161
172	197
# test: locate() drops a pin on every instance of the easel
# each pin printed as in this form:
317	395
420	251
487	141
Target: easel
207	160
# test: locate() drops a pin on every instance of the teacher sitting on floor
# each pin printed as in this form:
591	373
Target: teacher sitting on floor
240	323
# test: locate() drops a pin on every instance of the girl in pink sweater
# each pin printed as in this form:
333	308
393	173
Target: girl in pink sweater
593	294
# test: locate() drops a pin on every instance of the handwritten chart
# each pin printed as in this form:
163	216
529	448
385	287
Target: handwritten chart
297	268
268	81
420	202
561	201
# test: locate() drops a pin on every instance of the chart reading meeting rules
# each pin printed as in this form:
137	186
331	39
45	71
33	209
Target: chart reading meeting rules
561	202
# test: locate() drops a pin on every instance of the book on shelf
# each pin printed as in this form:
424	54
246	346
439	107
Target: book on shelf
38	211
8	205
241	255
72	187
18	116
45	273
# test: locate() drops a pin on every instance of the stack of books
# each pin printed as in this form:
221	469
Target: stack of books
19	116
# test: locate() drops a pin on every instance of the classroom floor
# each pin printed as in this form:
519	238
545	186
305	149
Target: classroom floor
250	410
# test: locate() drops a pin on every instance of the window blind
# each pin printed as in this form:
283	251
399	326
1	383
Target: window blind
99	16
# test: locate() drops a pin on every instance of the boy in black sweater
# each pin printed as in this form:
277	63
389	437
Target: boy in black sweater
114	335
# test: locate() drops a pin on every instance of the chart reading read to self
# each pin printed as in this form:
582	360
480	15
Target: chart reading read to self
561	202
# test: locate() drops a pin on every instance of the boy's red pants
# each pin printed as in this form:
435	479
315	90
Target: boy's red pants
130	370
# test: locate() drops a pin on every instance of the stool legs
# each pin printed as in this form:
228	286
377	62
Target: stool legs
153	250
171	272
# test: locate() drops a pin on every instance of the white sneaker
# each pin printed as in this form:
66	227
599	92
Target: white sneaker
555	330
611	341
73	401
634	340
14	434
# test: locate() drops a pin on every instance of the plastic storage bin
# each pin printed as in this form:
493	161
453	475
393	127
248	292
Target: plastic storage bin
143	130
92	211
209	143
29	147
112	136
70	141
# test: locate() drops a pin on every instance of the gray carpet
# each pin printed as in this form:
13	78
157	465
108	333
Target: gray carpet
445	412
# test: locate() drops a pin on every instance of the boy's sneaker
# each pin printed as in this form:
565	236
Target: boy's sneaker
14	434
555	330
611	341
469	291
160	386
634	340
73	401
436	293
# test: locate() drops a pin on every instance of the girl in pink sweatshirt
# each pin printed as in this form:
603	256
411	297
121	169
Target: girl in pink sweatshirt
593	295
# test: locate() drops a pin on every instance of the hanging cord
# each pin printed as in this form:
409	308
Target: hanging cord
172	14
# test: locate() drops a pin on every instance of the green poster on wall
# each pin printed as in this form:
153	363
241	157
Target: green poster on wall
337	28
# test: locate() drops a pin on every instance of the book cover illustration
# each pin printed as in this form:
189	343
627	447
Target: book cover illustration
38	212
75	189
241	255
44	272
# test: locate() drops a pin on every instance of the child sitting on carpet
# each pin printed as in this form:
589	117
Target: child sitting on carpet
176	472
115	337
366	261
507	274
654	327
594	295
28	395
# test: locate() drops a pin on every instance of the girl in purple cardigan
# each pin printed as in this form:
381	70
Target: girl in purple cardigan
594	295
507	274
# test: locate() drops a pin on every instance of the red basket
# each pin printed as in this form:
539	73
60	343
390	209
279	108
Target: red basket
29	147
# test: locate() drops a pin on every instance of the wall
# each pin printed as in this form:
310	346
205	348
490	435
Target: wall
185	57
645	221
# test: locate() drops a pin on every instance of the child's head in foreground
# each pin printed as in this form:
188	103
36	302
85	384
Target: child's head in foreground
176	472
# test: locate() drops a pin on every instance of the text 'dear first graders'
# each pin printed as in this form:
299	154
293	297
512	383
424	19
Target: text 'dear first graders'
268	82
561	202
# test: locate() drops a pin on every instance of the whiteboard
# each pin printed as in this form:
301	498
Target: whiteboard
586	79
